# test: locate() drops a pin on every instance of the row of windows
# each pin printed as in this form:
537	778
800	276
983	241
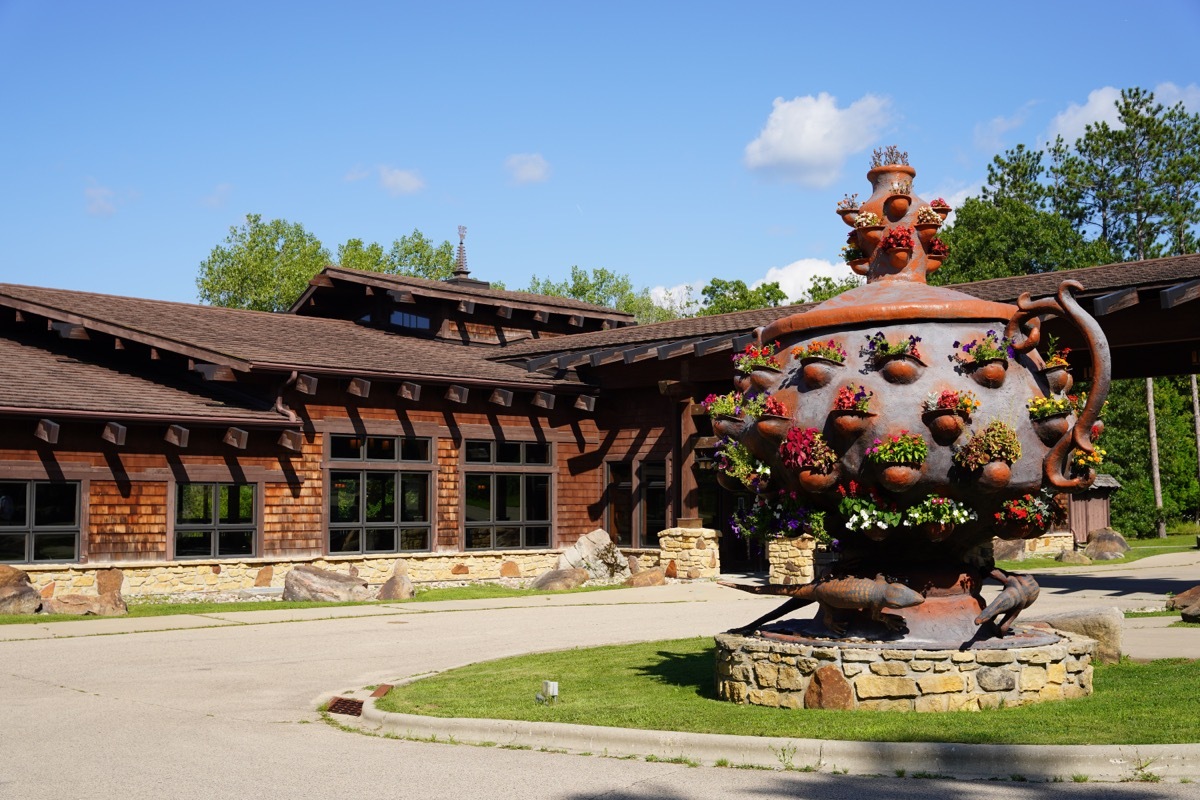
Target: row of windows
373	510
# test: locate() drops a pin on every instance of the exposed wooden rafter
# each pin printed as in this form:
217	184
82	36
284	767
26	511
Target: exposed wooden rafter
306	384
291	440
68	330
586	402
1179	294
456	393
601	357
575	320
1114	301
466	306
741	341
322	280
541	316
409	391
215	372
501	397
504	312
178	436
543	400
713	345
47	431
633	354
535	364
401	295
236	438
114	433
359	387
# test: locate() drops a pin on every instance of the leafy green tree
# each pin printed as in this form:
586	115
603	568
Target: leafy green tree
354	254
412	255
603	287
723	297
1017	175
822	288
261	265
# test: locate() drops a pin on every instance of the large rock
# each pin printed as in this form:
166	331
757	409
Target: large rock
1184	599
1191	613
105	605
1008	550
1105	544
399	586
829	689
1101	624
17	595
1072	557
597	554
558	580
109	581
647	577
306	582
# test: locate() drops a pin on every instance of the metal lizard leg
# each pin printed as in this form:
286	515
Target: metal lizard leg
788	606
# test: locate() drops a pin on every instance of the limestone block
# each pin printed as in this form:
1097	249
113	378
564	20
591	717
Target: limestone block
995	657
879	686
921	666
889	668
897	655
940	684
1101	625
766	674
886	705
934	702
850	670
789	678
958	702
1056	673
859	655
764	697
1032	678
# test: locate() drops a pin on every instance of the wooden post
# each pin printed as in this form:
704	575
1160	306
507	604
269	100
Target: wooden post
1154	476
1196	422
689	489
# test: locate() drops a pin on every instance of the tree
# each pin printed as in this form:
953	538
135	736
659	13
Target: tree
356	255
602	287
1017	175
262	265
822	288
723	297
412	255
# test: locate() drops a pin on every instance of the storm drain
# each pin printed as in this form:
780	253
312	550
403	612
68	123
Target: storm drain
346	705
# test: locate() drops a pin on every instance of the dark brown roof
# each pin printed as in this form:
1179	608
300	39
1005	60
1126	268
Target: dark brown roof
1150	274
247	340
471	292
45	378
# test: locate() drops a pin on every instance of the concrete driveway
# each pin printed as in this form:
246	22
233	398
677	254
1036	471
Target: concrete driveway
222	705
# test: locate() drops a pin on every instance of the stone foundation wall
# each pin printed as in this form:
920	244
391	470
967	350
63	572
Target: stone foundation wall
791	560
1051	543
693	552
219	575
790	675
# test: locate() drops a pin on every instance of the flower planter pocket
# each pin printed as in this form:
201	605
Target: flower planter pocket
989	374
818	371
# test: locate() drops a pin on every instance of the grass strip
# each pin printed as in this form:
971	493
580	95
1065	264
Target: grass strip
1139	549
670	685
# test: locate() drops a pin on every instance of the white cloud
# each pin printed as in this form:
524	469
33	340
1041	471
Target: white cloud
101	201
1169	94
219	196
356	174
1070	122
989	135
807	139
527	168
400	181
680	297
955	194
796	277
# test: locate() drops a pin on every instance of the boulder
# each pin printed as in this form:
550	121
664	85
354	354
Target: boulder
105	605
1184	599
671	571
109	581
1101	624
17	595
558	580
829	689
635	566
647	577
264	576
1105	544
1072	557
397	587
597	554
510	569
1191	613
306	582
1004	550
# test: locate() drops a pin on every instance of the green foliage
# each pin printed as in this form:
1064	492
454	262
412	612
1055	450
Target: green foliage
725	297
412	255
901	448
603	287
997	442
822	288
263	266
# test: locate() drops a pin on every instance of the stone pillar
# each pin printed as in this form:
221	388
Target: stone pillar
791	560
692	551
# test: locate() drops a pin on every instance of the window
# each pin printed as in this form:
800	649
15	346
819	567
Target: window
507	507
379	510
654	499
214	520
620	502
404	319
647	502
39	521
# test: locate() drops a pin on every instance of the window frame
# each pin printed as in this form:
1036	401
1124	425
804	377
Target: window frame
215	527
638	486
526	469
31	530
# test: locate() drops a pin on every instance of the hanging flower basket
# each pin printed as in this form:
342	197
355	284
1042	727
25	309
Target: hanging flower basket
728	425
899	477
900	369
994	476
1058	378
945	425
773	426
989	374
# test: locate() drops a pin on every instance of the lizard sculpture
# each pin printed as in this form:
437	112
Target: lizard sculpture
847	593
1018	594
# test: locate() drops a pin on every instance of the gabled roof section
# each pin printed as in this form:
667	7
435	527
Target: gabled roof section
404	286
1150	275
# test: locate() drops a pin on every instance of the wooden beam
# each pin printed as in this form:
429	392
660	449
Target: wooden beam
680	348
466	306
504	312
118	344
178	436
602	357
543	400
18	316
534	364
501	397
586	402
306	384
215	372
322	280
575	320
572	359
401	295
114	432
698	410
67	330
633	354
370	291
291	440
1115	301
359	387
155	355
1179	294
236	438
457	394
741	341
409	391
47	431
541	316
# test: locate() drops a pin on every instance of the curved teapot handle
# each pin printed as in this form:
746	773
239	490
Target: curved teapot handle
1024	329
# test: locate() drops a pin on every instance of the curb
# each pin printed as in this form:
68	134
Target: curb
929	759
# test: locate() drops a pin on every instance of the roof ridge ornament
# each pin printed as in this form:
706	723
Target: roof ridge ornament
461	274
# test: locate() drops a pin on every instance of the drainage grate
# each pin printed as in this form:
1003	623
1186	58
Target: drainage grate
347	706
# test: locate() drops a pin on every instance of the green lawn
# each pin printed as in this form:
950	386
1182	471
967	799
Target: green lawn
163	608
1139	549
669	685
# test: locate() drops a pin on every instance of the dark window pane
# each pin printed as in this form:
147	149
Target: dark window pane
537	497
414	450
537	537
381	497
620	502
54	547
414	497
235	543
13	507
508	452
193	503
654	497
236	504
345	447
343	497
193	543
508	498
381	448
479	498
479	452
414	539
12	547
55	504
380	540
537	453
479	538
345	541
507	538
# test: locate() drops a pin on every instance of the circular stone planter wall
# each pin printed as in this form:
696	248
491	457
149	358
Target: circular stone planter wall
849	675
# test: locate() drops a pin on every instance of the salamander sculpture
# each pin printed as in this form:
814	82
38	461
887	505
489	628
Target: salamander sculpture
1018	594
847	593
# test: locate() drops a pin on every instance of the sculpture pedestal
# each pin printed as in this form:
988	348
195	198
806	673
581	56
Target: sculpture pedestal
809	673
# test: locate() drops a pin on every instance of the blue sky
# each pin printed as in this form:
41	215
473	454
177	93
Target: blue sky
674	142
